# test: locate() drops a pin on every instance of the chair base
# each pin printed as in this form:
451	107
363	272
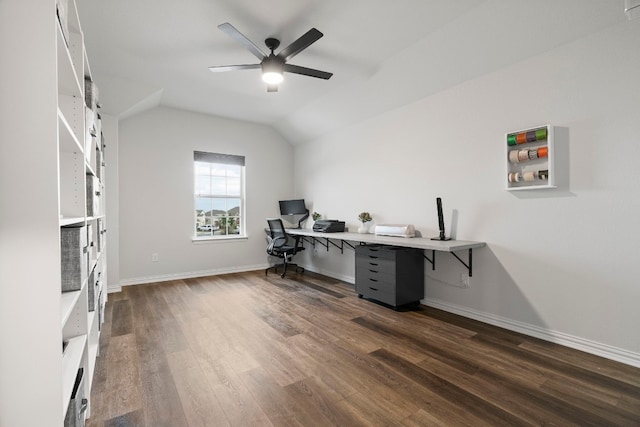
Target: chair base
285	267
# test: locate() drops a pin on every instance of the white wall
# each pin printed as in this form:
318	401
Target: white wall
560	263
156	193
30	356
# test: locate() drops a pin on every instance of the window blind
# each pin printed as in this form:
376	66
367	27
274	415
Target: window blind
227	159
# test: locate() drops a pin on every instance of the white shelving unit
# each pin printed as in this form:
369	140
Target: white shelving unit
530	159
48	334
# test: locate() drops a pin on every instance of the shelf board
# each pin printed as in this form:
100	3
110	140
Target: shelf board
531	187
68	142
71	220
67	303
89	169
93	354
71	362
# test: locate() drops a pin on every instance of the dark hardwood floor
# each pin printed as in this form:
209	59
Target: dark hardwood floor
245	350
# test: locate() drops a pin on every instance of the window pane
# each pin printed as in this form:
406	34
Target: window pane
219	207
233	186
203	168
203	184
234	225
218	170
203	204
203	216
234	171
233	207
218	186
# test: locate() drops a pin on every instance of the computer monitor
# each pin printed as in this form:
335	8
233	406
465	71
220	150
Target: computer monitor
294	207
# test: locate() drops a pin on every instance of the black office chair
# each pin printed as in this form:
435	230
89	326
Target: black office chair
279	246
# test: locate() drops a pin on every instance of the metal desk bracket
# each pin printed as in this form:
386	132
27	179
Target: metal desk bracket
327	242
432	260
469	266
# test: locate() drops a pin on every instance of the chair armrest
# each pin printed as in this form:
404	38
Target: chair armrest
275	243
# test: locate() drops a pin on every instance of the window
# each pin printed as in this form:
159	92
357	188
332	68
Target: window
218	195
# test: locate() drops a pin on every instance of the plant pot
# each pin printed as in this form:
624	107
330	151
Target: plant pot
363	229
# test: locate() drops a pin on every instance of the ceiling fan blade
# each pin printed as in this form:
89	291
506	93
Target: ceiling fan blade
272	88
299	45
232	32
221	68
296	69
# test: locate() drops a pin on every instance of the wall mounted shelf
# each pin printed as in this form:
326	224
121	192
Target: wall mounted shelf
530	159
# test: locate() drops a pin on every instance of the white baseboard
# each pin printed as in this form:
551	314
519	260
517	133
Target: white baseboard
588	346
114	289
184	275
347	279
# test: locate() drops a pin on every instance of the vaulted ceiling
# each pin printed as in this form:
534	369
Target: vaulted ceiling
383	53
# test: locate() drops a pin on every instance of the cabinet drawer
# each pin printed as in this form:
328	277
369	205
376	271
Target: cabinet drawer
376	251
385	266
376	276
378	293
374	282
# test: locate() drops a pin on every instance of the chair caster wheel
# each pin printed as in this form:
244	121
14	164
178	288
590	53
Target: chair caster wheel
359	295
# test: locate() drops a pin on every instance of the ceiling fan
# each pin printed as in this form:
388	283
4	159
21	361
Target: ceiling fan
273	65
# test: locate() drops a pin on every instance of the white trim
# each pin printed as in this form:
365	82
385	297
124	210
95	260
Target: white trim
603	350
184	275
111	289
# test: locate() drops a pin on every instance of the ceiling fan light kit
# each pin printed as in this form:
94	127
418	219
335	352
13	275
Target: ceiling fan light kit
272	77
273	66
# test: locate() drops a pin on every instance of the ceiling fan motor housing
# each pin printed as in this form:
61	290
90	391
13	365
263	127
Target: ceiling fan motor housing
272	43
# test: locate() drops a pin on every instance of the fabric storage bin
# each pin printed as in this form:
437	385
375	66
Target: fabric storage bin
100	235
99	162
93	287
92	247
77	404
91	290
93	195
91	137
73	247
100	311
91	94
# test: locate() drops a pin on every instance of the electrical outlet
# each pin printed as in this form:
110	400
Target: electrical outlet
465	280
154	257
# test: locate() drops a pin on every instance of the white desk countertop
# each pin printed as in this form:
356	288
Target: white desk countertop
408	242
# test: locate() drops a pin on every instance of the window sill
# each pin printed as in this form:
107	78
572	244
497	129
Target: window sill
201	240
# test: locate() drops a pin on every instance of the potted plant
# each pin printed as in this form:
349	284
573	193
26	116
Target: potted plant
316	216
364	217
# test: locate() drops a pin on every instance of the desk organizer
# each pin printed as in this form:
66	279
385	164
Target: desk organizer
530	159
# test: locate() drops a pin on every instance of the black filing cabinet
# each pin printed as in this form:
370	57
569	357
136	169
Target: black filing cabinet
389	274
